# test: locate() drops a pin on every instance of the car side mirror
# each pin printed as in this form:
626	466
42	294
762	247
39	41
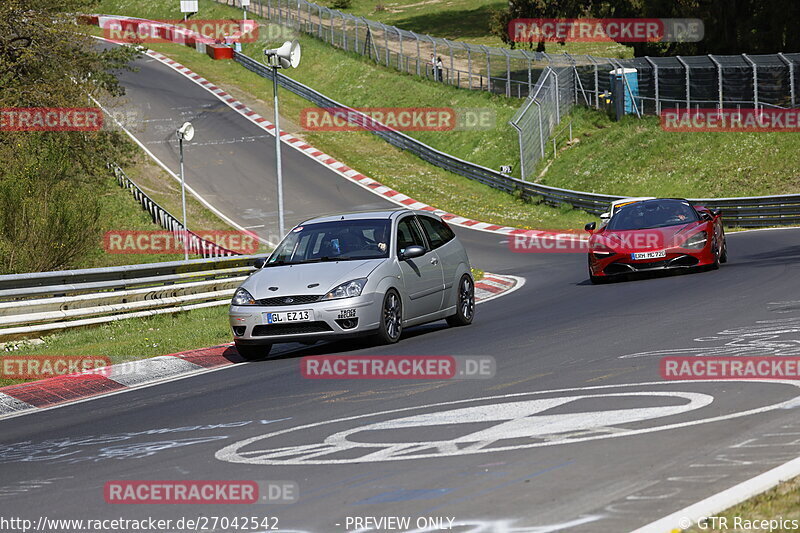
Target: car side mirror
590	227
411	252
260	262
706	216
716	212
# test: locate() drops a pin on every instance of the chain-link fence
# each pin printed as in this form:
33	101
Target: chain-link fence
660	83
551	100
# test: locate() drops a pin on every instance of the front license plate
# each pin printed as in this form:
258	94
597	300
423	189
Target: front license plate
289	316
638	256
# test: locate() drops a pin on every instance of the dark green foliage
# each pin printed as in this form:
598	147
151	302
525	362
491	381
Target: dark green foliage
48	203
731	26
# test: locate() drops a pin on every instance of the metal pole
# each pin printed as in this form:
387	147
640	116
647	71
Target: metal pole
541	132
655	76
521	150
791	76
596	83
719	79
183	201
469	65
755	80
278	152
401	56
688	87
558	97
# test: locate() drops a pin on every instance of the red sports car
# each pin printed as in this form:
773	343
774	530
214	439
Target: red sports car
655	234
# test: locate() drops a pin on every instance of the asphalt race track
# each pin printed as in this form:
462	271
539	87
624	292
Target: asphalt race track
577	431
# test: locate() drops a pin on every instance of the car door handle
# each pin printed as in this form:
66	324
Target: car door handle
434	261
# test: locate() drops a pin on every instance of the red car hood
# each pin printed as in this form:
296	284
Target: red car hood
627	241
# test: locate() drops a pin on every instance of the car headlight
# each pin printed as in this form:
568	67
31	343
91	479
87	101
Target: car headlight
346	290
242	297
601	249
696	241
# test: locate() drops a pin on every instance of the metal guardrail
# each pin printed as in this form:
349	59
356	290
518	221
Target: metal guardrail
162	217
746	212
43	302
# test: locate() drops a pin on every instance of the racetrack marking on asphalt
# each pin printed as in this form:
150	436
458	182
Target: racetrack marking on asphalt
189	188
760	339
765	448
117	445
310	453
244	139
717	503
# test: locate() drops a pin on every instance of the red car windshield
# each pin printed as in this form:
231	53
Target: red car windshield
649	214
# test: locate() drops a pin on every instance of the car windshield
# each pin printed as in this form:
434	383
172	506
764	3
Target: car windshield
650	214
340	240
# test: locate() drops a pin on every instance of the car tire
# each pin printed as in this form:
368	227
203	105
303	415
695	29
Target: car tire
391	321
723	258
465	303
253	352
717	260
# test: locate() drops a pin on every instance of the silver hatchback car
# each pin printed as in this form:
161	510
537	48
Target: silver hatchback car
354	274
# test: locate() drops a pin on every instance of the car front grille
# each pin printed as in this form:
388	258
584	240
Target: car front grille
290	300
627	268
291	329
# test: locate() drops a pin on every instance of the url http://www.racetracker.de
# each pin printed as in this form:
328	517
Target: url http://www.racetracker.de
44	524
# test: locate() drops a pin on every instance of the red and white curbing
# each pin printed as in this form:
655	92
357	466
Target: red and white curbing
493	285
29	397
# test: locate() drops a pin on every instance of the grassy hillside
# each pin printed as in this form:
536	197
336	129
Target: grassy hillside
635	157
461	20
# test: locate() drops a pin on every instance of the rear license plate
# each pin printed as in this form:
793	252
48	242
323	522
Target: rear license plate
638	256
289	316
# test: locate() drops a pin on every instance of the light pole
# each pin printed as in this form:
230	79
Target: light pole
184	133
288	55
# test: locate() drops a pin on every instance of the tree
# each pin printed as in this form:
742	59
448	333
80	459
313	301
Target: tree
517	9
48	180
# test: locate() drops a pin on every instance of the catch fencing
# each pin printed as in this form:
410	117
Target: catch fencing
551	100
748	81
